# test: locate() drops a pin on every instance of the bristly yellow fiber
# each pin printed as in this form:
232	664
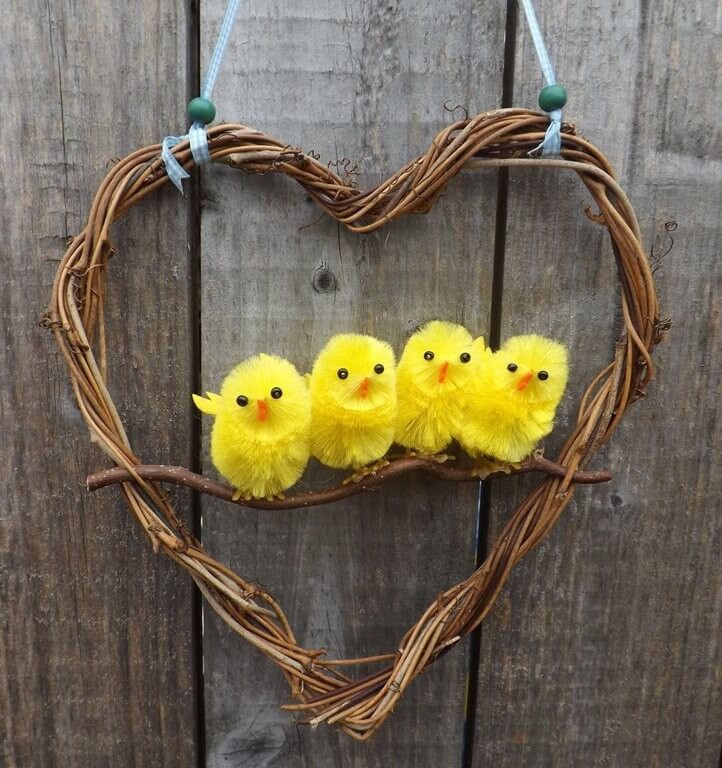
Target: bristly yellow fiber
432	373
353	401
510	406
260	436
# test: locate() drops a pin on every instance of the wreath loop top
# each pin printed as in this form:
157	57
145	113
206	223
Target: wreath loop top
499	138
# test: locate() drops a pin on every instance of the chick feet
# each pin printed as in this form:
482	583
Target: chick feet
486	466
439	458
363	472
238	495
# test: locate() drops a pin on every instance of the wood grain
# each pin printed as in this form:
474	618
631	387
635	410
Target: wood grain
605	647
96	661
367	82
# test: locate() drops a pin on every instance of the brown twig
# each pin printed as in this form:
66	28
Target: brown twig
501	137
395	468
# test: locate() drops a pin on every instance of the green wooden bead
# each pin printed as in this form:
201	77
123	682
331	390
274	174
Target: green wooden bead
552	97
201	110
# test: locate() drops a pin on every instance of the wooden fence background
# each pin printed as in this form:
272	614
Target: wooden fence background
604	648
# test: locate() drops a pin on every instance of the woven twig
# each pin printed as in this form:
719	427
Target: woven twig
499	138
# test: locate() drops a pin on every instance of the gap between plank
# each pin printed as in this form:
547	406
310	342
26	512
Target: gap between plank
495	317
193	236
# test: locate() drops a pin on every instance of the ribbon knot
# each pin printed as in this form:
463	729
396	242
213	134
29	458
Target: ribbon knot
552	144
199	149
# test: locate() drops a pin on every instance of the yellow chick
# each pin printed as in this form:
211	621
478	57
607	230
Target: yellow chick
510	405
431	374
260	436
353	401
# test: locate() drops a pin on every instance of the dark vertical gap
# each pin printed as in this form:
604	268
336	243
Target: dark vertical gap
193	211
497	291
720	757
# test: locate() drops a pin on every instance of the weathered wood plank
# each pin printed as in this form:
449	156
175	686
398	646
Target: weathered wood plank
365	81
96	663
604	649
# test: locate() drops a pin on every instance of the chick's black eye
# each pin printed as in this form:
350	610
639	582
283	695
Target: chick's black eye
543	375
464	357
342	373
428	355
512	367
242	400
276	392
378	368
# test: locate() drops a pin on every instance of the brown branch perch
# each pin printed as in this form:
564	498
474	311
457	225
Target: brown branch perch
395	468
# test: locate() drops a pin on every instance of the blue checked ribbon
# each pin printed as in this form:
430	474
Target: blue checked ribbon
197	132
552	144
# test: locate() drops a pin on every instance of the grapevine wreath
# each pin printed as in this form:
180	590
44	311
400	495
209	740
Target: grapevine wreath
501	138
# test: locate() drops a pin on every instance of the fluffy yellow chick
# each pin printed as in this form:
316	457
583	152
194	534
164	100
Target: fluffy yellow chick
431	374
260	436
510	405
353	401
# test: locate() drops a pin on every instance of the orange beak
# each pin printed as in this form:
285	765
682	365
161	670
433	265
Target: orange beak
524	380
262	410
364	388
443	372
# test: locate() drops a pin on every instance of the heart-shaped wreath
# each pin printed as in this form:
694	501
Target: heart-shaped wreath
500	138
